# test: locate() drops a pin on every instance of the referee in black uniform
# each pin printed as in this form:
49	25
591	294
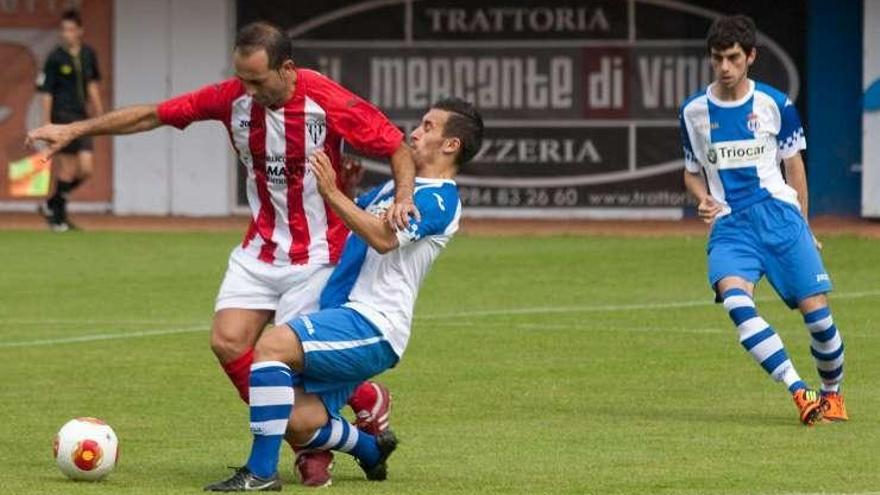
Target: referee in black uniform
69	84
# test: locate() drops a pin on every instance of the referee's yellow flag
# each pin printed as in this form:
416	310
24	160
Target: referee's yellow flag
30	176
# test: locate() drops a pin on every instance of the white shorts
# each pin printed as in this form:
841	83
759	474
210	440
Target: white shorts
288	290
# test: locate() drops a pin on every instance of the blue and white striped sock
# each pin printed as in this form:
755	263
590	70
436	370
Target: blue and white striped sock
341	436
758	337
271	402
827	348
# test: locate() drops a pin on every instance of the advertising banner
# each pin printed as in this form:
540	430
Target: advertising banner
580	99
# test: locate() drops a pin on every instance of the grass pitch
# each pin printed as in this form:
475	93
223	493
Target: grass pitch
537	365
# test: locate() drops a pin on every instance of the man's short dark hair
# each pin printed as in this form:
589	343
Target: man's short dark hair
464	123
728	31
73	16
264	36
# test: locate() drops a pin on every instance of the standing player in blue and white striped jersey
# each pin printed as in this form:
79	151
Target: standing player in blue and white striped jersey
735	132
314	362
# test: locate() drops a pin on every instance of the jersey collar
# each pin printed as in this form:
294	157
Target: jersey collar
730	104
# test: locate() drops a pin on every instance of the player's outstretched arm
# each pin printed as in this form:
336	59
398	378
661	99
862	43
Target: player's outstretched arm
128	120
404	170
373	230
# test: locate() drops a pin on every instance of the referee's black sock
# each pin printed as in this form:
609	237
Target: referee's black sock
58	201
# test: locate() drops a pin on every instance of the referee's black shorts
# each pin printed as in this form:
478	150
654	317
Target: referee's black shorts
80	144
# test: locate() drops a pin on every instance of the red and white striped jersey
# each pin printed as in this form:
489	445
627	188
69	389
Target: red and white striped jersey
290	223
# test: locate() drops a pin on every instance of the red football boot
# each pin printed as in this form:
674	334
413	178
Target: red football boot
371	403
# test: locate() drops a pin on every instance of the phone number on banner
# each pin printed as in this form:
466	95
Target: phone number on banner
527	196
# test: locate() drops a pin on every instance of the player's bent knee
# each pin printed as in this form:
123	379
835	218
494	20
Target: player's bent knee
727	283
228	345
279	343
813	303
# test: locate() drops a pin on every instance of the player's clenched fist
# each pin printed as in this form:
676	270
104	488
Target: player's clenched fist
324	173
708	209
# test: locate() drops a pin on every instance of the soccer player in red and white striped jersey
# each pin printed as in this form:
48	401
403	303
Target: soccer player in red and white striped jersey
277	115
291	224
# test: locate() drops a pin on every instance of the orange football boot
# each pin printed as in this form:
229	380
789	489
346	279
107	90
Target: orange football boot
833	408
809	405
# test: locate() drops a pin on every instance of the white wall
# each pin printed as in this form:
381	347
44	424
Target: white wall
163	48
871	118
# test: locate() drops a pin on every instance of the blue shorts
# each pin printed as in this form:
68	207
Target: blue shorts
768	238
341	349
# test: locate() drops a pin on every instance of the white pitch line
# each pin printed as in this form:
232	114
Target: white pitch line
463	314
97	337
92	321
553	326
562	309
439	316
151	333
564	326
612	307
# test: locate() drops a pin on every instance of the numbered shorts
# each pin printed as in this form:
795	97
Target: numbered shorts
289	290
341	349
768	238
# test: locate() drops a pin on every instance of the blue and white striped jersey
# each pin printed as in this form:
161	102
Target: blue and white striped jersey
740	143
383	287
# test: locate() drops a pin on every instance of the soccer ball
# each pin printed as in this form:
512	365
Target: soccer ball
86	449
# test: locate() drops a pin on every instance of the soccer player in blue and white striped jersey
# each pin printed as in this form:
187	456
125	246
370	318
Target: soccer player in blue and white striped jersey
734	134
315	361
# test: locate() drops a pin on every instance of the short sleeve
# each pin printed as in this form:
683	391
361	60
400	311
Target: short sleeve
47	79
360	123
208	103
438	207
791	133
690	160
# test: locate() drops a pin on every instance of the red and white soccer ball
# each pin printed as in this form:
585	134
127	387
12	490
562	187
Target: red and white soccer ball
86	449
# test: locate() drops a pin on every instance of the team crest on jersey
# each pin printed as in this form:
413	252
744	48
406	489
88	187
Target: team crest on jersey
317	130
753	122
